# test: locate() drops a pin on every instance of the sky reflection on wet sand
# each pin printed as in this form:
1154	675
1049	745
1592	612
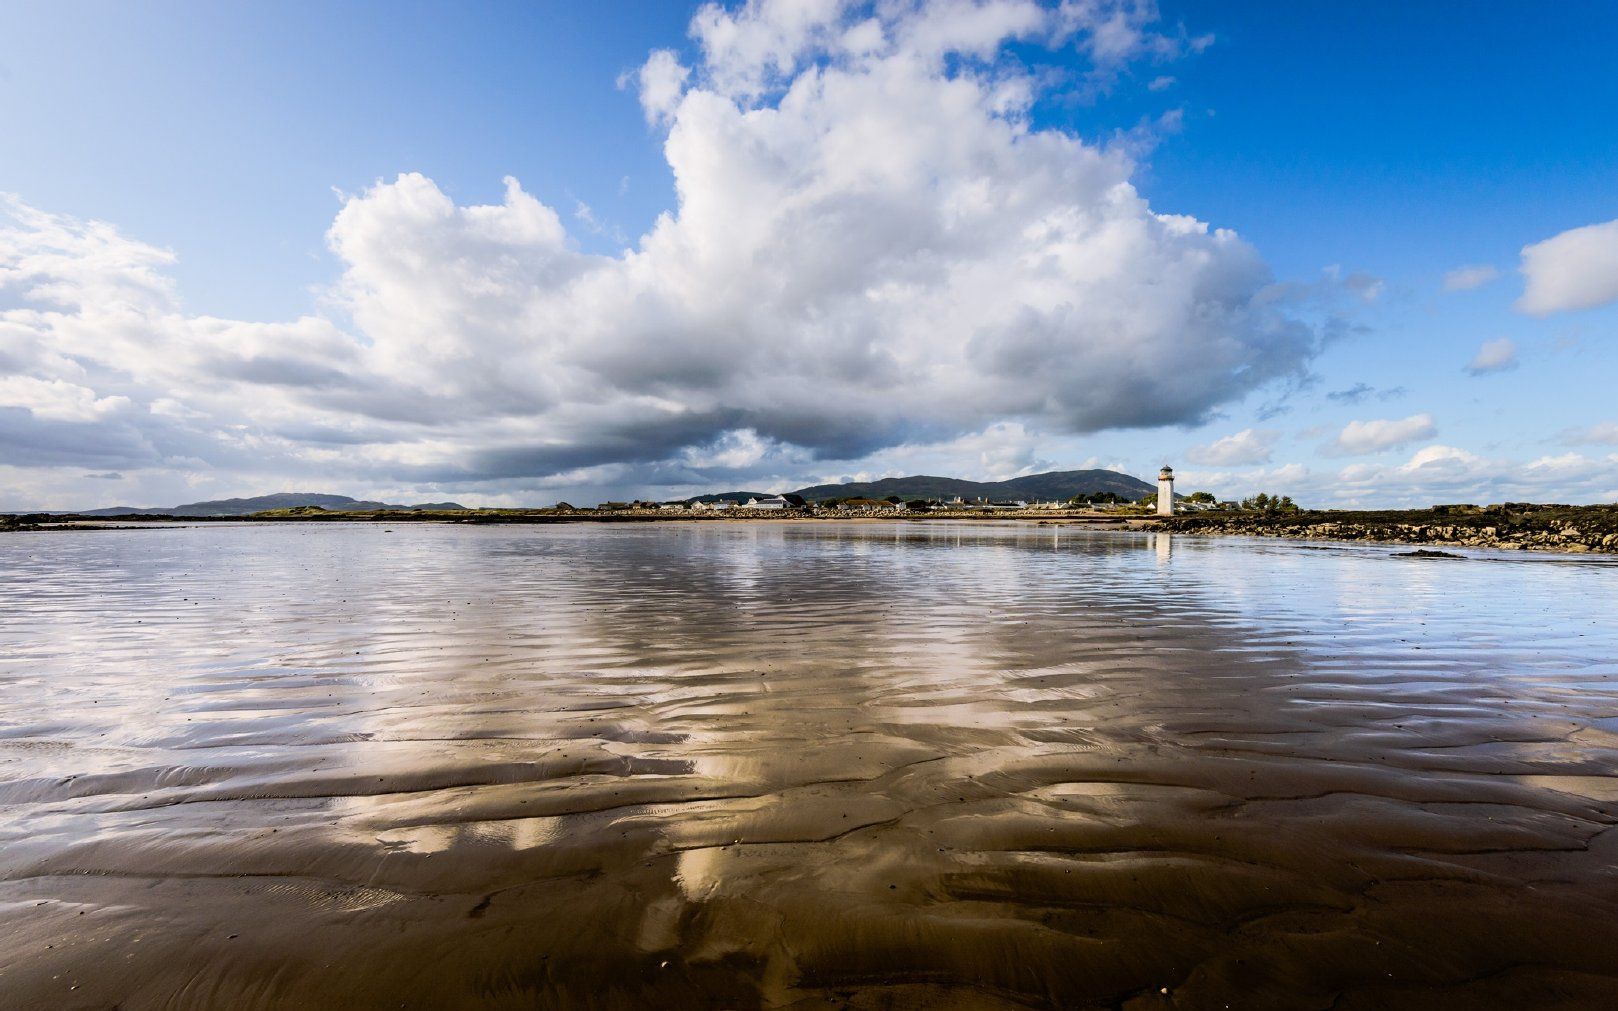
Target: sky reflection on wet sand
940	765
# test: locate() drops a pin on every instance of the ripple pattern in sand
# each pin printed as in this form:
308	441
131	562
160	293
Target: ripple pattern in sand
729	765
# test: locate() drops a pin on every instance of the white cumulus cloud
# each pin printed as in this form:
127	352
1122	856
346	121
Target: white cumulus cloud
1249	446
662	81
1577	269
1361	437
56	400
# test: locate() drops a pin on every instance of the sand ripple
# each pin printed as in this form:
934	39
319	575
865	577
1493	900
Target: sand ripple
884	766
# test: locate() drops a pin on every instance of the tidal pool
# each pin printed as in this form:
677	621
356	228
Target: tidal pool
735	765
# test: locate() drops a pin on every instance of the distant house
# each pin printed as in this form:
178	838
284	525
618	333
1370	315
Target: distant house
768	502
716	504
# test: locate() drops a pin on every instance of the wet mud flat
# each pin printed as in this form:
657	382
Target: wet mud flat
862	765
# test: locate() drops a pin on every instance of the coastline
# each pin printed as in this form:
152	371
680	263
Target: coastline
78	521
1511	527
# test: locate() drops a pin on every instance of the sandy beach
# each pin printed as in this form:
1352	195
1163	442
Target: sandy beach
800	765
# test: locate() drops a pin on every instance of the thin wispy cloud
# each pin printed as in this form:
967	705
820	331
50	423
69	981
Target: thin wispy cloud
1468	278
1602	434
1361	392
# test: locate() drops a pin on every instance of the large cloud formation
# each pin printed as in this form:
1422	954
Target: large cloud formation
874	245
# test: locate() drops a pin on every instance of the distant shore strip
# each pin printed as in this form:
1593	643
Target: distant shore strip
1510	526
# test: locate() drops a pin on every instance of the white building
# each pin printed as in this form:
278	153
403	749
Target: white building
769	502
1165	491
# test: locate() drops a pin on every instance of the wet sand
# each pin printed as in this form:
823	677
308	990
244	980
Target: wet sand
811	765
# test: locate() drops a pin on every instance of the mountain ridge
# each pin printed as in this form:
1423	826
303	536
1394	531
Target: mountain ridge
1056	485
264	503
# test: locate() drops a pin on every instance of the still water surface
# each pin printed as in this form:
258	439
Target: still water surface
742	765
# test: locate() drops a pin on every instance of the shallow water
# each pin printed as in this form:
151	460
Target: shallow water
740	765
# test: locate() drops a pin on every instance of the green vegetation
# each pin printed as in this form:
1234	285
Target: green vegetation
1099	498
1270	503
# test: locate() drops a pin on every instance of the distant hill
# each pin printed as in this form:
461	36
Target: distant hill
263	503
1056	486
729	496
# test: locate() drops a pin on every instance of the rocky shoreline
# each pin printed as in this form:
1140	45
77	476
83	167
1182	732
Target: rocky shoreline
1514	526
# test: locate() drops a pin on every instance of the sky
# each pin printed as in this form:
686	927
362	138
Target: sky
514	253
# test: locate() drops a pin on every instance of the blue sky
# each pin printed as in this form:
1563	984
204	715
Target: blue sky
1362	152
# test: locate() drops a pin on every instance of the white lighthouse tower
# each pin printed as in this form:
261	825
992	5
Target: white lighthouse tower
1165	491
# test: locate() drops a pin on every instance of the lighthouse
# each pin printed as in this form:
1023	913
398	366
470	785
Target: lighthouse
1165	491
